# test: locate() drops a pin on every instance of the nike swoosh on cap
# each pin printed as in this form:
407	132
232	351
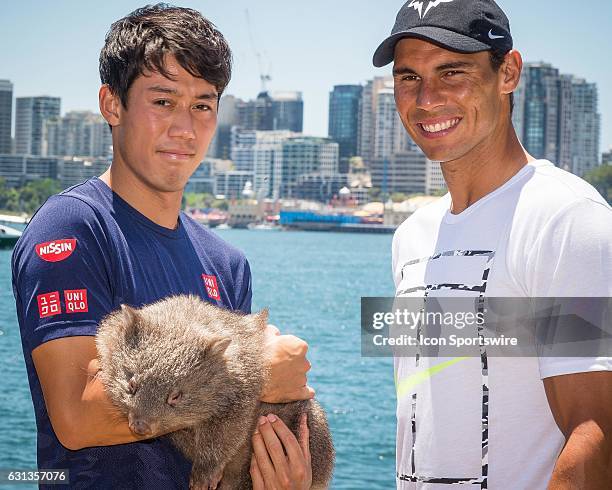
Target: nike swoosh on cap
493	36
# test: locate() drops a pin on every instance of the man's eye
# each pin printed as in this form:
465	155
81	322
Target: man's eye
410	78
162	102
452	73
202	107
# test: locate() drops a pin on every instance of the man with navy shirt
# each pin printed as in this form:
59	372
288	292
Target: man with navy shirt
121	239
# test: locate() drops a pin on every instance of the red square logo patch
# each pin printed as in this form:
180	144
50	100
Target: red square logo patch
76	300
211	286
49	304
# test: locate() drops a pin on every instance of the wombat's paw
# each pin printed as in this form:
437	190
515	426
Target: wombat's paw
203	483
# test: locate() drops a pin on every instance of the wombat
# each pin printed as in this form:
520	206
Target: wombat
194	371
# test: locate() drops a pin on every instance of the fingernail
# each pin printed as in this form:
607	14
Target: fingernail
272	417
262	420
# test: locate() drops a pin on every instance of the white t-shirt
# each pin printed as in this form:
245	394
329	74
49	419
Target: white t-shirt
545	232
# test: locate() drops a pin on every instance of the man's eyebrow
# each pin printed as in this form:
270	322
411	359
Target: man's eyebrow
172	91
453	65
403	70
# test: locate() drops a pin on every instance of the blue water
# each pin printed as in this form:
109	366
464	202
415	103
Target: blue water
312	284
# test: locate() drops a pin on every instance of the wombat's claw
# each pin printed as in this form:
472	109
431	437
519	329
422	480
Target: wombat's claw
211	484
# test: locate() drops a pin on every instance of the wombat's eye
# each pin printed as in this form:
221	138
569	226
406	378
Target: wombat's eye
174	397
132	387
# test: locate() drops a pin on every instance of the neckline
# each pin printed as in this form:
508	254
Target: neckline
178	232
451	218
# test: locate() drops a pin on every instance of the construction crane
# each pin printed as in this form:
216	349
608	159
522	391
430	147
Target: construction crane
263	76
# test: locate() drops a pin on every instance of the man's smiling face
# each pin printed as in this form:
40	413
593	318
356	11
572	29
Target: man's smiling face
167	126
450	103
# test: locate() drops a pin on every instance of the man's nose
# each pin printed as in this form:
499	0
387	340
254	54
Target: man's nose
182	124
429	95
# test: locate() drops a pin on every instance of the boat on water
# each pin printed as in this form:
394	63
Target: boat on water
263	226
8	236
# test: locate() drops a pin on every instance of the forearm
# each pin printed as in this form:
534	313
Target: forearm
98	422
585	462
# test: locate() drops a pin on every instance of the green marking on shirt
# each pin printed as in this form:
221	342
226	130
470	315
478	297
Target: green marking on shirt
403	386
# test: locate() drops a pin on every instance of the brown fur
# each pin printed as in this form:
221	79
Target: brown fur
214	358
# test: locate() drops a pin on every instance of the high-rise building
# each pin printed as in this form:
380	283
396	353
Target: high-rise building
585	127
260	152
6	115
73	170
78	133
31	114
220	146
256	114
556	117
288	111
434	178
344	102
367	116
306	155
281	110
18	170
606	157
381	130
402	171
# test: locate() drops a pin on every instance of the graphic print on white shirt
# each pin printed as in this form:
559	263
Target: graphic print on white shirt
485	422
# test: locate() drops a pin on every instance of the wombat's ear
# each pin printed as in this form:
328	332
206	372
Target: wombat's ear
130	316
218	345
261	318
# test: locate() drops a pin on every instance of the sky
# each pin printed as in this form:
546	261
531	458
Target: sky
52	47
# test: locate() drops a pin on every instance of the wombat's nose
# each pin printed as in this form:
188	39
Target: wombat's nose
140	427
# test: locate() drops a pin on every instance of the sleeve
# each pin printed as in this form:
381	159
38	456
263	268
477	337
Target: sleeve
572	257
243	287
61	272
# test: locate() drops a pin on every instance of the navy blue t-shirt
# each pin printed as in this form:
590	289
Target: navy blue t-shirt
85	252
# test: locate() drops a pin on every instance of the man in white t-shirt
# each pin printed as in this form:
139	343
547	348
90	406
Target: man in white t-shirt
510	226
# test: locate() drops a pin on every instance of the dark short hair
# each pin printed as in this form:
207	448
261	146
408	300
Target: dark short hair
139	42
497	60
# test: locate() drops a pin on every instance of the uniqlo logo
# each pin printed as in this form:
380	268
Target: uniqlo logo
49	304
76	300
211	286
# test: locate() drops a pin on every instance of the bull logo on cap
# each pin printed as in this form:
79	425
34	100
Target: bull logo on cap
418	6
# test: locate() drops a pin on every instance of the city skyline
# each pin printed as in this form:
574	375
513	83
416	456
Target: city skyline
338	28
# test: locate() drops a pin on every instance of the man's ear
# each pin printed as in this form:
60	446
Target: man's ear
110	105
511	71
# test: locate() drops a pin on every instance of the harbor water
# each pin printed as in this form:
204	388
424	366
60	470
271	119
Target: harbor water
312	283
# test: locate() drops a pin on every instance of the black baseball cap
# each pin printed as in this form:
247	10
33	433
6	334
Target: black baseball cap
465	26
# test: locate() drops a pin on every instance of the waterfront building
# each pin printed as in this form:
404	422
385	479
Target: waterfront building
260	152
288	111
230	183
556	117
281	110
78	134
6	116
317	186
586	123
343	128
203	179
18	170
434	179
31	114
303	155
73	170
220	146
404	171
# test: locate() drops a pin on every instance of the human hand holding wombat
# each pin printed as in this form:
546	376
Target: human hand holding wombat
186	368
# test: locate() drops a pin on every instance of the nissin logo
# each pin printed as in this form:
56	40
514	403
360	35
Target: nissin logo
56	250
